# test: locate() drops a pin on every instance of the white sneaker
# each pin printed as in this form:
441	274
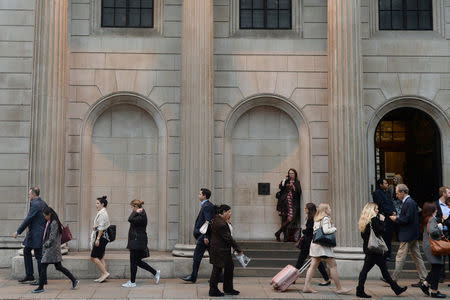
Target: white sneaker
129	284
157	275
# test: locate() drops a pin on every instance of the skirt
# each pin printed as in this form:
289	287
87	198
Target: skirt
99	252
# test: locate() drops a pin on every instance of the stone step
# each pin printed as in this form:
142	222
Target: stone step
266	245
118	265
285	254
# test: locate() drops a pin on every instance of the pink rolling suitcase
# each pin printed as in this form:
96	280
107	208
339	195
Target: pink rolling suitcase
287	276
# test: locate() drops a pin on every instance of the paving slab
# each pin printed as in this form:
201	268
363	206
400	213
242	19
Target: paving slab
174	288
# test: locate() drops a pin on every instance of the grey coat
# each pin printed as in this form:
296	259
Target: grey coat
435	233
51	249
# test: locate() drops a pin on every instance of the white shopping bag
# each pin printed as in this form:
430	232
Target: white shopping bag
243	259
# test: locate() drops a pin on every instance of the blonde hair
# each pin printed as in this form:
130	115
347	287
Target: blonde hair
367	214
321	212
399	178
137	202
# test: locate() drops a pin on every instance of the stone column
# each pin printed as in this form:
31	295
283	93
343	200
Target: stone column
347	148
197	122
47	150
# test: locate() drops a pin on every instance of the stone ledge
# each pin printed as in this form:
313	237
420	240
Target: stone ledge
118	265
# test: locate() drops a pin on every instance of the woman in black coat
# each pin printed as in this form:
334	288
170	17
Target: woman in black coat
288	203
137	243
371	219
305	242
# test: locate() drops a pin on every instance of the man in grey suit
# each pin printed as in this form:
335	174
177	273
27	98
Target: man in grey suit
35	222
408	234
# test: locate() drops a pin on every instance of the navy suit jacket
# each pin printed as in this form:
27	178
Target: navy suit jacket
207	213
384	202
409	222
35	222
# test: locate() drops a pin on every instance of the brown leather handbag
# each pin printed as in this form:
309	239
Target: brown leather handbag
440	247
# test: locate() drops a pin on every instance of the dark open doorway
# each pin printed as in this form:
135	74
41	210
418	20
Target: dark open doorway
408	142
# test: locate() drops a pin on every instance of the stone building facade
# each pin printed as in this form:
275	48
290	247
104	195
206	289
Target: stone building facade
156	113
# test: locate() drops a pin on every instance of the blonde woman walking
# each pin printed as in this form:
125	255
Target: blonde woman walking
371	219
320	253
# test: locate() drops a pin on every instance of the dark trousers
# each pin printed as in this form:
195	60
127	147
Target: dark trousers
28	260
59	267
200	249
304	253
227	276
433	276
136	262
387	236
369	262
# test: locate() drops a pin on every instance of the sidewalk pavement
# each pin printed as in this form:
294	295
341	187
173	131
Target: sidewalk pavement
250	288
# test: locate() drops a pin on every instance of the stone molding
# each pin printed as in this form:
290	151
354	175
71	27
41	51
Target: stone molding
438	20
439	116
297	22
89	120
304	138
97	29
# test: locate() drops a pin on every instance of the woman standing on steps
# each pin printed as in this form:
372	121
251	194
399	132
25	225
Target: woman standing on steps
137	243
288	203
371	219
51	250
305	242
319	252
98	241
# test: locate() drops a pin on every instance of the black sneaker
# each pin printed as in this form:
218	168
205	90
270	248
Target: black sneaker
37	291
26	279
438	295
233	292
75	284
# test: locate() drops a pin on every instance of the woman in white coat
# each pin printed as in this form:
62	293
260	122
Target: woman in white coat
319	252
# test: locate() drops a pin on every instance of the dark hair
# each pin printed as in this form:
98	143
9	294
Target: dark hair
53	217
295	172
312	209
103	201
206	192
380	182
223	208
427	211
35	190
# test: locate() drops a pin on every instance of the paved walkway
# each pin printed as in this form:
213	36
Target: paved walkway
250	287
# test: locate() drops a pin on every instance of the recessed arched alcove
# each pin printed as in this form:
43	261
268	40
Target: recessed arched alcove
264	137
124	156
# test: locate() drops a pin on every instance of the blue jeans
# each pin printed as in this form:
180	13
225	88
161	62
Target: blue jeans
28	260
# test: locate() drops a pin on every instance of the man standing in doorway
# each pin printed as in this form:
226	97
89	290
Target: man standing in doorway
408	234
385	207
207	213
35	222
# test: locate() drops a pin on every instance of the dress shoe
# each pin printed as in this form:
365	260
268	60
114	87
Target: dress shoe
189	278
216	293
233	292
425	289
325	283
416	284
362	294
401	290
27	279
36	282
438	295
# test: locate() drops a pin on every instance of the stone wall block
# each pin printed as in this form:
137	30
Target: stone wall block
106	81
409	83
389	84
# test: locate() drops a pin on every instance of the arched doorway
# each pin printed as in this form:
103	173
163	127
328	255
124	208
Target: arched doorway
408	142
265	144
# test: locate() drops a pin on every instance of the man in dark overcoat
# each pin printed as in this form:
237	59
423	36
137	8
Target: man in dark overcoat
35	222
220	253
207	213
